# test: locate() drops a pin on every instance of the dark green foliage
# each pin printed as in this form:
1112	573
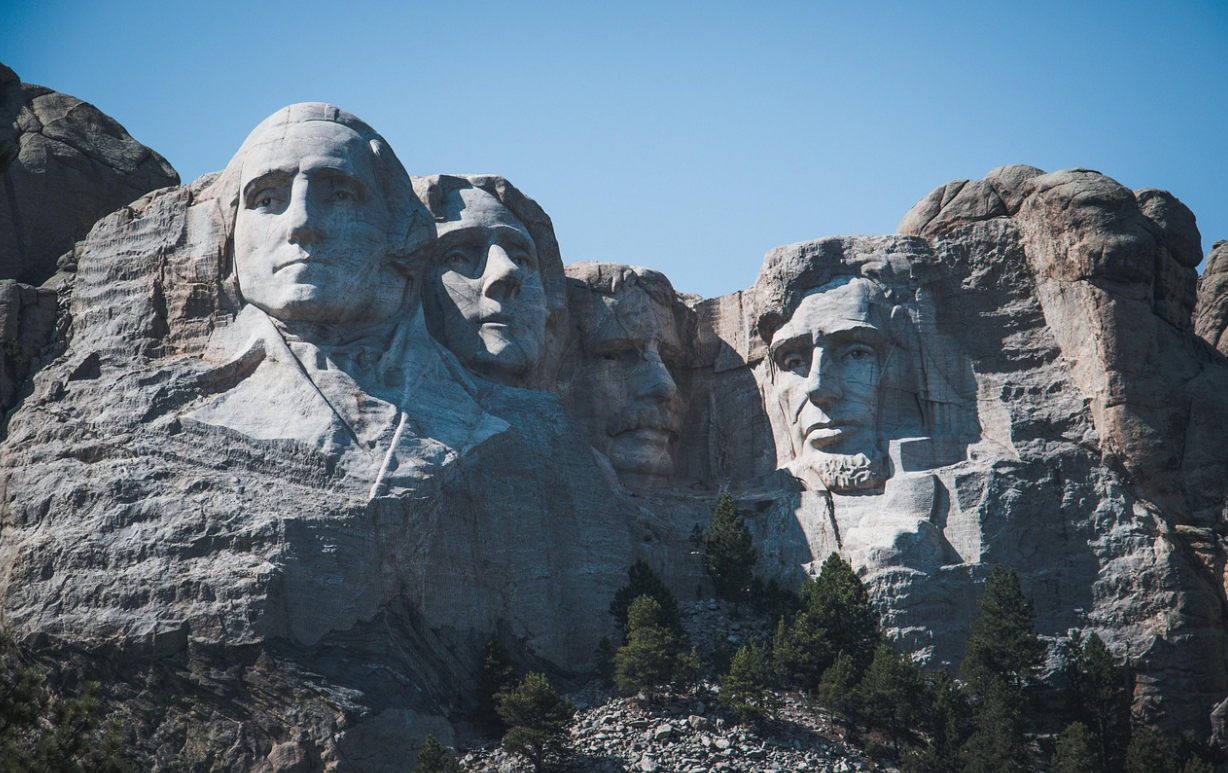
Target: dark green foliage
642	581
495	677
1197	765
835	617
746	688
1003	646
801	651
837	690
891	694
1077	751
946	718
773	602
605	662
434	758
1096	697
1149	753
654	657
998	743
44	733
538	720
841	606
729	552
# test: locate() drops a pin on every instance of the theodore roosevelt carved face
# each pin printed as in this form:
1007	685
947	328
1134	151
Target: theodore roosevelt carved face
826	366
313	226
624	387
484	294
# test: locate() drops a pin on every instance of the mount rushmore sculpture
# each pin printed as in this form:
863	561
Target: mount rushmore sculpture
315	428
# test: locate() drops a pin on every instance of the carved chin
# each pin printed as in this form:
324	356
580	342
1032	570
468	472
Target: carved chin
841	473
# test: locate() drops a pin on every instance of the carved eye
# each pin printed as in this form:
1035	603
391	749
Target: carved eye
265	200
455	258
859	353
344	195
795	362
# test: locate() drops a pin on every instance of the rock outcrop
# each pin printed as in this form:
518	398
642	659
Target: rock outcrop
72	165
316	430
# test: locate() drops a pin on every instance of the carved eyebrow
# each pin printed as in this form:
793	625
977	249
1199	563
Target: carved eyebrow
265	179
794	341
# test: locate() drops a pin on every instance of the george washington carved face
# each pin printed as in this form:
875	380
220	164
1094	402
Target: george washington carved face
311	239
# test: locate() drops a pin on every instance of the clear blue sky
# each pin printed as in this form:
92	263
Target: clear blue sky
687	136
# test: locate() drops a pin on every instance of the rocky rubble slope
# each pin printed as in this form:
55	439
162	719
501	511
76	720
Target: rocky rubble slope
691	734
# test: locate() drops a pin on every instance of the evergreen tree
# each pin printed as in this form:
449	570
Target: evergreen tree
642	581
998	743
839	604
43	733
496	675
801	652
746	689
538	720
1149	753
434	758
654	657
837	690
729	552
1096	697
1077	751
1003	645
835	617
946	718
604	670
891	693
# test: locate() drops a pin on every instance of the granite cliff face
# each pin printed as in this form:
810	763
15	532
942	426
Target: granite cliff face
318	429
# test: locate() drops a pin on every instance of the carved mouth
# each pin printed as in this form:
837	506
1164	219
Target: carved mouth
650	434
824	432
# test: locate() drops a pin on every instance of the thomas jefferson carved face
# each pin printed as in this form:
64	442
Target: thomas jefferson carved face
630	342
484	294
827	363
311	234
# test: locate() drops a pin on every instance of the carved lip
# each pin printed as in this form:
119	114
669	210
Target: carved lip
503	320
650	434
822	432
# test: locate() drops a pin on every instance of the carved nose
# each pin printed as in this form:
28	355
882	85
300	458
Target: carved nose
653	380
502	278
822	387
302	226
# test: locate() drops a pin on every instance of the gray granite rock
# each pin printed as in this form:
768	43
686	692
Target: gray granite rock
265	457
73	165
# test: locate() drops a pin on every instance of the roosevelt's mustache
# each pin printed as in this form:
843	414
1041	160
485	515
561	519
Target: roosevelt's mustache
642	416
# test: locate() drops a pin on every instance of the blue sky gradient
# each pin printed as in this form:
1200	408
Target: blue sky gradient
690	137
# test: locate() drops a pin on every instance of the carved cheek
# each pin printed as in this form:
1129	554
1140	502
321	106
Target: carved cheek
465	293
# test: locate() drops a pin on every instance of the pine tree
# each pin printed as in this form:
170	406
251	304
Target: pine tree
998	743
1149	753
538	720
890	694
434	758
1077	751
729	552
1096	697
746	689
947	719
840	604
1003	645
642	581
654	656
837	690
496	675
801	652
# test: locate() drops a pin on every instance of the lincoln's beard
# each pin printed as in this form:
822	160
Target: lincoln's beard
841	473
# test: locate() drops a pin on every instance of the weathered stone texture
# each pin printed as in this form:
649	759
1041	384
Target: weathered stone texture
73	165
252	493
